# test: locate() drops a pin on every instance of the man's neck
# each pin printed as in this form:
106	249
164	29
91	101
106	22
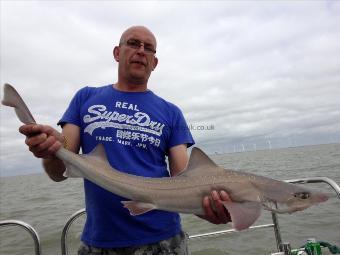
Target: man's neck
130	87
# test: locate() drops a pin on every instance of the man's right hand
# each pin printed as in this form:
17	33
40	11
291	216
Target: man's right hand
42	140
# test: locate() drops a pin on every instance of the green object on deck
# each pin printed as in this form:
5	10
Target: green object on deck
313	247
332	248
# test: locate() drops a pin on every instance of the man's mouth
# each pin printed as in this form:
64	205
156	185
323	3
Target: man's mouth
138	62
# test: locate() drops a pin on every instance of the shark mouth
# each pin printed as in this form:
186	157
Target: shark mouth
277	207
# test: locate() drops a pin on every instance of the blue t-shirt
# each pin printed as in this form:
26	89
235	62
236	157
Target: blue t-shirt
137	130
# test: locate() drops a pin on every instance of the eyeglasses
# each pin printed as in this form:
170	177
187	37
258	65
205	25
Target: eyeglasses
136	44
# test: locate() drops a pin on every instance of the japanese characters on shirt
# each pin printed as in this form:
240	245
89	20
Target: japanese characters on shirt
135	129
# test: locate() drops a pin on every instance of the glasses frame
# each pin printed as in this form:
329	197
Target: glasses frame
136	44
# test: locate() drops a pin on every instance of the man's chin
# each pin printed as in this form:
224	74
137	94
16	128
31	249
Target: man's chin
138	80
140	77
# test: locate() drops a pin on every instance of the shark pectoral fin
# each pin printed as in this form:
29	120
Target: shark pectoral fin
138	208
69	173
243	215
66	174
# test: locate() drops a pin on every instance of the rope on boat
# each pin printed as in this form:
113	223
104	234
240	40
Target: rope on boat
314	248
332	248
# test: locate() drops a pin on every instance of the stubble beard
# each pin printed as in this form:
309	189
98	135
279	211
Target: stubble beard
137	78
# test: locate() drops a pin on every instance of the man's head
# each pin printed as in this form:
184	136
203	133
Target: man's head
136	55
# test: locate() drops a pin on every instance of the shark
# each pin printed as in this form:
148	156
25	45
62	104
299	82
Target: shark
182	193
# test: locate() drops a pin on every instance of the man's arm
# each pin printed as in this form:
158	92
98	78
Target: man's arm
44	141
178	160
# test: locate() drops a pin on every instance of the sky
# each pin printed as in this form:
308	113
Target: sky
246	74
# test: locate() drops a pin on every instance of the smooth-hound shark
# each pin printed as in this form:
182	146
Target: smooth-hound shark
183	193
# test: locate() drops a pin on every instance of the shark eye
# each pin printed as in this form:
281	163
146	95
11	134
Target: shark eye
302	195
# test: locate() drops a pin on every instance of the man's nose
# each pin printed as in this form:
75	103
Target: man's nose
141	48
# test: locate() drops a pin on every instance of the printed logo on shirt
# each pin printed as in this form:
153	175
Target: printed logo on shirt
137	127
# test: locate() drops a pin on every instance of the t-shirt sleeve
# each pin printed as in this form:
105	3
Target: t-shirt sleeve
180	133
72	113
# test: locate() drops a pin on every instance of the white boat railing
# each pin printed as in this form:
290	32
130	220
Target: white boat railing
275	225
67	226
28	228
327	180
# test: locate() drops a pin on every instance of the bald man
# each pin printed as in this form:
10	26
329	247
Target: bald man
138	130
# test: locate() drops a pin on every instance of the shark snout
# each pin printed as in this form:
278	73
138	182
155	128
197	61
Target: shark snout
321	198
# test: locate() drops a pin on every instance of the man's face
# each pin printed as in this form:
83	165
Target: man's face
136	55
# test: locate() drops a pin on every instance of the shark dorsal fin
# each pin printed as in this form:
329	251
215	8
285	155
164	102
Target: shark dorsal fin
99	153
199	158
96	157
199	163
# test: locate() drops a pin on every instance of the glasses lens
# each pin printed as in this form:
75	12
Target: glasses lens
133	43
136	44
149	48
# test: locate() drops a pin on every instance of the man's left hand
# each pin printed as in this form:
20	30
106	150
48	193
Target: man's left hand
214	210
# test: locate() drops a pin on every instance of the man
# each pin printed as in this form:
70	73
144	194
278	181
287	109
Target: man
138	130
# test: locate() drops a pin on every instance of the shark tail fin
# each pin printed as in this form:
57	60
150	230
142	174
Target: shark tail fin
13	99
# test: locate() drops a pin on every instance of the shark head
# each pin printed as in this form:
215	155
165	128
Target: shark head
296	199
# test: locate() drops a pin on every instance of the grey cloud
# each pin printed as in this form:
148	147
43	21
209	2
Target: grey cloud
253	70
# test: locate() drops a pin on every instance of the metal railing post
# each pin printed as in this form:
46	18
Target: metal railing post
64	248
28	228
277	232
229	231
327	180
275	224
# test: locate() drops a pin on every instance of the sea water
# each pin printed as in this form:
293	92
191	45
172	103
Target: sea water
47	205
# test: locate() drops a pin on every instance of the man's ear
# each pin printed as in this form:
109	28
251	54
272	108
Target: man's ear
116	53
155	63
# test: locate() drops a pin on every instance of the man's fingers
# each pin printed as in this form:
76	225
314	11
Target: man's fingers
31	129
43	140
213	207
36	139
208	211
50	151
48	130
46	148
220	210
26	129
46	143
224	196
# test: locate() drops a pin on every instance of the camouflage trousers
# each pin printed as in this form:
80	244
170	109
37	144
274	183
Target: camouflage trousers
176	245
